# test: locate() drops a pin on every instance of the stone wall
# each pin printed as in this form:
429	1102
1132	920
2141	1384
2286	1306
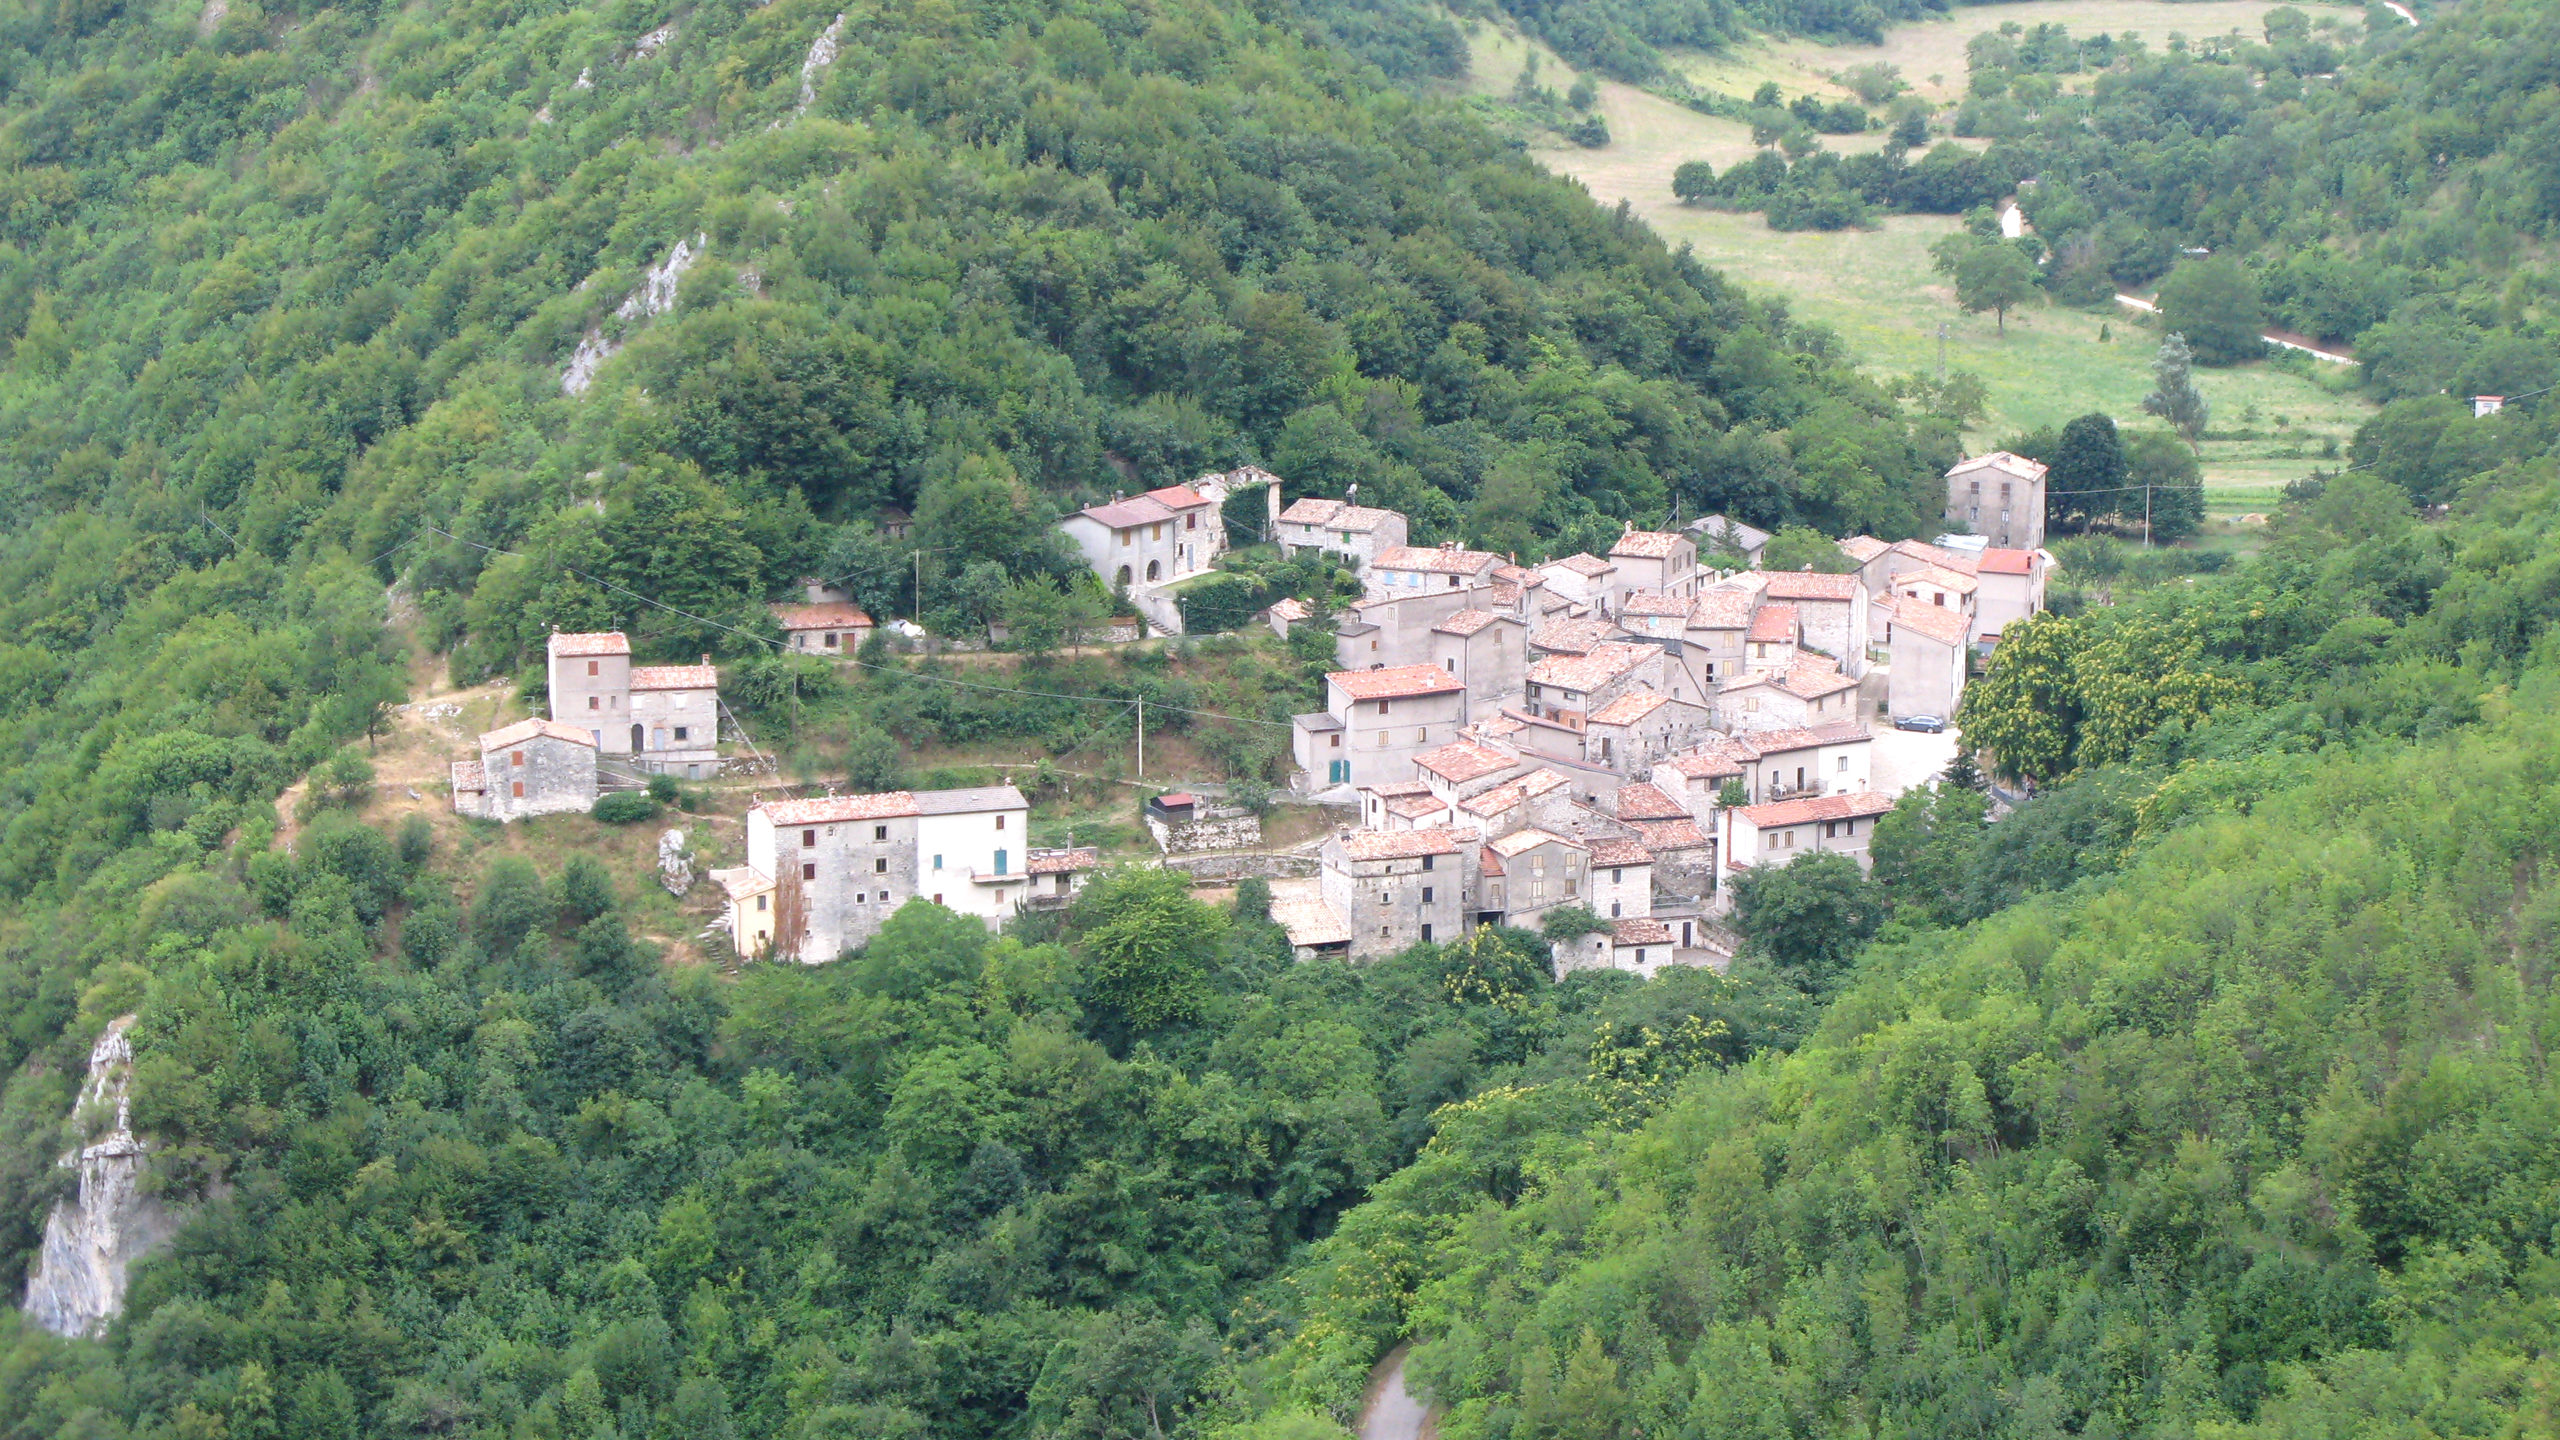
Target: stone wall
1211	830
1212	868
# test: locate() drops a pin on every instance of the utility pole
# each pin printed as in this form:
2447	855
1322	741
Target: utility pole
1942	352
1142	737
919	589
2146	515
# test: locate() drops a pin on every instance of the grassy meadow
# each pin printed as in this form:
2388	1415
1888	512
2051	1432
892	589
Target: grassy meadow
1875	287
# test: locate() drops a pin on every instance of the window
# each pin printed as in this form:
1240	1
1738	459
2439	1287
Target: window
937	862
1000	862
831	640
519	789
594	703
516	759
1426	932
880	865
1450	664
1844	765
1617	876
999	824
808	872
763	901
1639	954
1613	909
1337	742
591	667
1428	861
1191	522
937	898
1453	582
1426	894
1382	707
861	897
1124	537
808	838
1421	735
1373	647
1155	532
683	731
879	832
1382	739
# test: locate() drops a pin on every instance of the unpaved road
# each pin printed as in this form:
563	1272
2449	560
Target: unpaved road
1391	1412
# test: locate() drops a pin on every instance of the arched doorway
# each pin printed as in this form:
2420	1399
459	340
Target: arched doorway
1151	570
1123	580
637	745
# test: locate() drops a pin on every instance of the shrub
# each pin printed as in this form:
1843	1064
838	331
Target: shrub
625	807
662	788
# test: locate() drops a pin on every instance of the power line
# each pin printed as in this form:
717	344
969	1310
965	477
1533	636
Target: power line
900	671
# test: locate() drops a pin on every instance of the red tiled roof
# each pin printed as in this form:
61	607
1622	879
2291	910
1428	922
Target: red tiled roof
1520	842
523	730
1862	548
829	615
1817	807
1290	608
1943	558
1654	602
1955	582
1577	634
831	809
1810	585
1466	622
1649	544
1661	835
1645	801
1587	566
1178	497
1399	683
1583	674
675	677
601	642
1721	608
1935	622
1997	561
1124	514
1398	844
1311	921
1712	760
1813	675
1774	625
1461	761
2002	461
1416	807
1614	851
1639	930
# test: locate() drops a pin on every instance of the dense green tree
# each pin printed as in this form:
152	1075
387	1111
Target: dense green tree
1809	917
2086	473
2174	396
2214	303
1989	275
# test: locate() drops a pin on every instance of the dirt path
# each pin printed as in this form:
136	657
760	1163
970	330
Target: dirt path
1390	1412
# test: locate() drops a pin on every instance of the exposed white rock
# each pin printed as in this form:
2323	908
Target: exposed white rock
675	867
92	1239
822	53
586	78
214	13
655	296
542	116
655	41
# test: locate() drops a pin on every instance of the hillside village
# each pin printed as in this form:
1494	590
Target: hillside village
1614	735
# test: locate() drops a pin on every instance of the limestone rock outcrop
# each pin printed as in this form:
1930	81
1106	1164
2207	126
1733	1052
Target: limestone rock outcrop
92	1239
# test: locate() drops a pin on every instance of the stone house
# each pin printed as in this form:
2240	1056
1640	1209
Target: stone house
1712	641
2010	587
1621	878
1375	723
1526	873
1058	874
1639	727
1660	561
1585	580
1769	646
657	718
1811	692
533	767
1565	689
1148	539
833	628
1999	496
1464	768
1932	586
1654	614
1355	533
1403	805
1776	834
1831	614
1394	889
827	872
1930	648
1385	629
1430	567
1316	930
972	850
1571	634
1532	799
1489	655
1833	759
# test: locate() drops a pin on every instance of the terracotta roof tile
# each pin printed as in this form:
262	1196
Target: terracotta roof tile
1997	561
1311	921
1645	801
1629	708
1935	622
601	642
675	677
1125	514
1613	851
1639	930
1062	861
1399	683
1816	675
1654	602
1520	842
1662	835
1651	544
1583	674
1722	607
1774	625
1398	844
1575	634
1178	497
1466	622
1590	567
1810	585
1461	761
830	615
1939	556
1434	560
1415	807
1817	807
523	730
2003	462
1862	548
1956	582
833	809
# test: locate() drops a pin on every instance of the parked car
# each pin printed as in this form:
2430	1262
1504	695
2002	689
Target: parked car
1925	724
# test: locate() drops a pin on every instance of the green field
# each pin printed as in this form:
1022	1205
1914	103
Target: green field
1875	287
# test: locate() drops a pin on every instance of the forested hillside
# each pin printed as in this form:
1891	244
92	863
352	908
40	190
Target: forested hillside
2247	1130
